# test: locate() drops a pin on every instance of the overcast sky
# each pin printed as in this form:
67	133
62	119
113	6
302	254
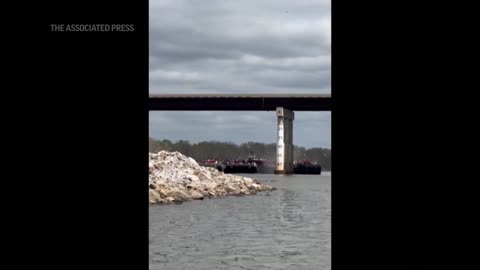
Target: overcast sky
247	46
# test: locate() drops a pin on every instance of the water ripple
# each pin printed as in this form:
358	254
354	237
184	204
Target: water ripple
287	229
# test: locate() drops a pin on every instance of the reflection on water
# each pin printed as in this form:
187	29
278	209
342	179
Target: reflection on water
289	207
285	229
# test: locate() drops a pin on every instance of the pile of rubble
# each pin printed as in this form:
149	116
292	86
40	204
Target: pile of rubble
175	178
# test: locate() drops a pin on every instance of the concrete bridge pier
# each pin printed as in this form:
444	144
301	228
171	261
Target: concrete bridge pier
284	141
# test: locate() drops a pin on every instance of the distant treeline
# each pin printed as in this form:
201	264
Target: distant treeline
226	150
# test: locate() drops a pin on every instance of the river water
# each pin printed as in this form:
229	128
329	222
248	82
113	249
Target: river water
289	228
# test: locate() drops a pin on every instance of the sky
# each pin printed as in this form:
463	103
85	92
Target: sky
247	46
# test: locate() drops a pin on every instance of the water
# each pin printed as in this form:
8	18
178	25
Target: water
288	228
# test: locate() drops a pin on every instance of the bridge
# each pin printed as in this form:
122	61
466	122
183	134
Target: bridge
283	104
239	102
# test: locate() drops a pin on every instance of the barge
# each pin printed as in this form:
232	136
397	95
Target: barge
306	167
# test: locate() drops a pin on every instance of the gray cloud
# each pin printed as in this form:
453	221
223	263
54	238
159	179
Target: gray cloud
226	46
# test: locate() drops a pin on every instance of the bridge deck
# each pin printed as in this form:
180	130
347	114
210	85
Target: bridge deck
239	102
